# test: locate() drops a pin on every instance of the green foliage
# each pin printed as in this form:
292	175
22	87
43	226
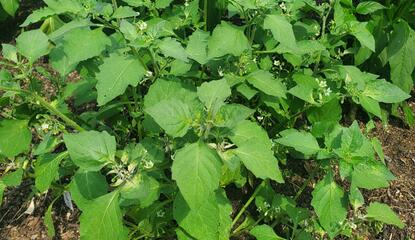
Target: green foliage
176	107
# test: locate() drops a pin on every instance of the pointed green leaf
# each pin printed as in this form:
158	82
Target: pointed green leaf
13	179
259	160
48	221
170	47
196	169
90	150
116	74
173	116
281	29
141	189
265	81
383	213
32	44
46	170
264	232
10	6
371	175
102	219
213	94
303	142
365	37
369	7
15	137
227	39
329	202
197	46
383	91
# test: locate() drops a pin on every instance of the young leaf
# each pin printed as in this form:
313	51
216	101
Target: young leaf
197	46
15	137
196	169
383	91
141	189
265	81
227	39
383	213
173	116
330	205
116	73
102	219
371	175
281	29
301	141
170	47
91	150
264	232
360	31
32	44
13	179
46	170
9	52
48	221
247	130
213	94
369	7
259	160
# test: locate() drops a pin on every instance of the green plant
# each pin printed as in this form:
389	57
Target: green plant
168	116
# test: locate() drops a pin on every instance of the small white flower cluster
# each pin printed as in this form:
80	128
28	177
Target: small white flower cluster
186	3
269	211
324	89
220	71
142	25
283	7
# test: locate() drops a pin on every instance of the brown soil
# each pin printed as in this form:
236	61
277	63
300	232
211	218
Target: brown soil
16	225
399	148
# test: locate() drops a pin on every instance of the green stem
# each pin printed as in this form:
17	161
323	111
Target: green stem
301	190
205	14
46	105
323	35
243	209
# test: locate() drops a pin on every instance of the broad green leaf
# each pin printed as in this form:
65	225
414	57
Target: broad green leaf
196	169
90	150
247	130
356	198
81	44
173	116
48	144
32	44
264	232
160	4
129	30
383	91
164	89
38	15
402	62
170	47
227	39
231	114
48	221
305	87
10	6
124	12
370	105
116	74
74	24
9	52
102	219
383	213
368	7
265	81
15	137
86	186
225	209
61	6
260	160
371	175
201	221
281	29
46	170
13	179
329	202
303	142
141	189
213	94
197	46
365	37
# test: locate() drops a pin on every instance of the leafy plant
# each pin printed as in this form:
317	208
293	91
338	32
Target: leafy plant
179	102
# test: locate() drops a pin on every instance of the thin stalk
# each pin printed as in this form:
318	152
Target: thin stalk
243	209
323	35
205	14
301	190
48	106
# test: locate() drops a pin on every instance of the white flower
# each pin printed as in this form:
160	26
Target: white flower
44	126
160	213
283	7
149	74
277	63
322	84
148	164
327	92
220	72
142	25
186	4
